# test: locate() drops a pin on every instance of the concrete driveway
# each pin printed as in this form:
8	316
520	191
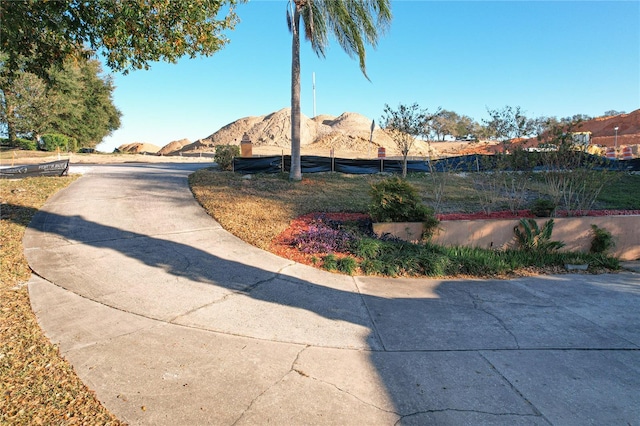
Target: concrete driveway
173	321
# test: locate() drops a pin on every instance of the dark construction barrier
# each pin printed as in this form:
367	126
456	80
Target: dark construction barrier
466	163
54	168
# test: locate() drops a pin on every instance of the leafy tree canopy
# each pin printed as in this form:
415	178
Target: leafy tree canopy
24	105
404	125
76	103
37	34
509	123
83	109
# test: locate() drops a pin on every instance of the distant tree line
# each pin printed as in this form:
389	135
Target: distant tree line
504	124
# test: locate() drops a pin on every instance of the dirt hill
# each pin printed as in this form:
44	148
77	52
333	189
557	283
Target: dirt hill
139	148
349	131
174	146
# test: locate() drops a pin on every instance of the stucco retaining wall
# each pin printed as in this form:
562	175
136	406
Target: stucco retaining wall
575	232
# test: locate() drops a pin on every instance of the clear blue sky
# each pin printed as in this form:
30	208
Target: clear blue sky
552	58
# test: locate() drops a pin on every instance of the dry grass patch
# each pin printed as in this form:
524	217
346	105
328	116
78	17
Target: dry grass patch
258	209
38	386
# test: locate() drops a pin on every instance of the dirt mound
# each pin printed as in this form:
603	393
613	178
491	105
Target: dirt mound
273	129
349	131
173	147
139	148
628	124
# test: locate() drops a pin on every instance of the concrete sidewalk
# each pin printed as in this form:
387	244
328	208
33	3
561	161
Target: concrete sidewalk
172	320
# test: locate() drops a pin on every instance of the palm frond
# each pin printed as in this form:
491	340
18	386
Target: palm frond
353	23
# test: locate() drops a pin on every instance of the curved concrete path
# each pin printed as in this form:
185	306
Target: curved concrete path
172	320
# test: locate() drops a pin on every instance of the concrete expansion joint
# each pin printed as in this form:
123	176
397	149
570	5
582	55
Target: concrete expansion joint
185	231
156	322
129	236
373	326
635	348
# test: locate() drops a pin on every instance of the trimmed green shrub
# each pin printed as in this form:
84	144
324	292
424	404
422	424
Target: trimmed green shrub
372	267
543	207
396	200
601	260
224	156
330	262
53	141
27	144
367	247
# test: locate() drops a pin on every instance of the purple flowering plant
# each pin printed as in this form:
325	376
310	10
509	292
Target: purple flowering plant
324	235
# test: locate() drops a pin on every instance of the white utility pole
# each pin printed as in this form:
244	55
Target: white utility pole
314	94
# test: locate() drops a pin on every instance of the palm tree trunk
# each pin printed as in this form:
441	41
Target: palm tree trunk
295	172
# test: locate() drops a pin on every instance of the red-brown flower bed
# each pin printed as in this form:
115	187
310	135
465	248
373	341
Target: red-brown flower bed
283	244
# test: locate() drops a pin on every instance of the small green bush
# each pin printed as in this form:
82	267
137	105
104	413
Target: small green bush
224	156
372	267
396	200
27	144
53	141
367	247
347	265
601	260
602	240
543	207
330	262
